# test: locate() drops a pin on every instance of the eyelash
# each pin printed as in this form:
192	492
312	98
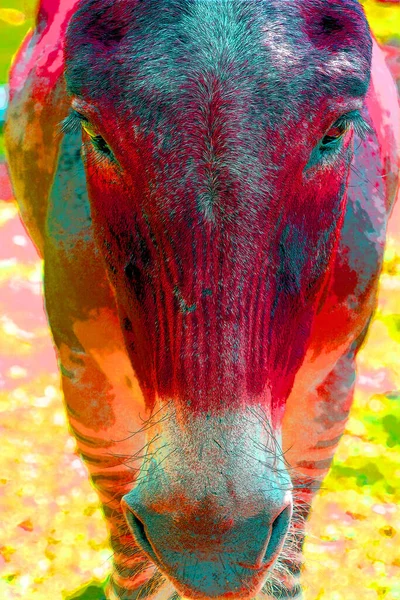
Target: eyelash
352	120
325	153
328	151
73	124
359	124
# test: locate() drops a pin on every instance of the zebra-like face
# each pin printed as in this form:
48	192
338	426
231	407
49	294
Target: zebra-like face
218	138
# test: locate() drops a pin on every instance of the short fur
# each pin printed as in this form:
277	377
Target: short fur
209	266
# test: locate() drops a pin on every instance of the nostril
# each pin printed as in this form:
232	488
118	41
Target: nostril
139	532
279	529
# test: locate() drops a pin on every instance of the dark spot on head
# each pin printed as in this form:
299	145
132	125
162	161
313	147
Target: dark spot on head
106	26
112	268
330	24
128	382
338	25
127	323
136	278
74	358
145	256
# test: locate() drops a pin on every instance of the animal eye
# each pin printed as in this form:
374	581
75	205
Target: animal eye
334	134
328	148
101	145
352	120
76	121
97	140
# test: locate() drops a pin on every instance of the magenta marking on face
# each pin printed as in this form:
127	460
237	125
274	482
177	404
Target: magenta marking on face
215	211
214	308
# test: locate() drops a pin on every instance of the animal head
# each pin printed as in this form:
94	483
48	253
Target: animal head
217	141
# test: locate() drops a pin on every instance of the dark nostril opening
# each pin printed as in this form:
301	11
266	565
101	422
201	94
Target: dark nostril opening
278	533
139	532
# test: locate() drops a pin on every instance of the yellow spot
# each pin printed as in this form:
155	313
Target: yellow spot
7	211
383	18
89	129
388	531
12	16
355	427
376	405
6	552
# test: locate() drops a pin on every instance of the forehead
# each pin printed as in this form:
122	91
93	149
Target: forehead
271	54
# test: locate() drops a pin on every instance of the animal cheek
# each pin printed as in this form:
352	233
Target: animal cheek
88	393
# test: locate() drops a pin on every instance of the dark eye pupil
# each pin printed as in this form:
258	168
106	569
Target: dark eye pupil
334	134
100	144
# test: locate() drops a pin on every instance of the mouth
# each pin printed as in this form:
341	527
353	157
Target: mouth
237	580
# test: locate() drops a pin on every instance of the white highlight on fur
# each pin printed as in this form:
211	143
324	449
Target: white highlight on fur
283	53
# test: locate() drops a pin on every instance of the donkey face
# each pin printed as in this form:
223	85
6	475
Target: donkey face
217	144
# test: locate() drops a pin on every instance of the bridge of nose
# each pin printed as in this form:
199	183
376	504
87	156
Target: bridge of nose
212	469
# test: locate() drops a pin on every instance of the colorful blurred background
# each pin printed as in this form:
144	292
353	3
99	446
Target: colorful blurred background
52	537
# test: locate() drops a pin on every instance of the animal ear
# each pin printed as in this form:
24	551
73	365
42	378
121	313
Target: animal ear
93	31
104	22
